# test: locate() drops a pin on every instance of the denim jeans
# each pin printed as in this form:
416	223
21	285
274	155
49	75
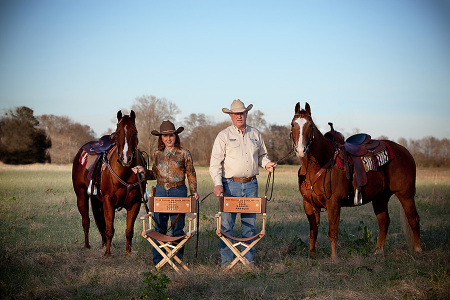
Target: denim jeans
162	219
238	189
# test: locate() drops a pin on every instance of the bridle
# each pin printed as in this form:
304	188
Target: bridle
310	140
133	156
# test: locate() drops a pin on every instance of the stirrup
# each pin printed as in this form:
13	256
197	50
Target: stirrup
358	198
89	190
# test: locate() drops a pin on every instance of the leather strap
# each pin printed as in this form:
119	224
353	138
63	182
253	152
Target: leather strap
244	179
168	185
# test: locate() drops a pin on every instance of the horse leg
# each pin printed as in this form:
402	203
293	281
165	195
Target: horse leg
410	211
131	218
83	208
334	213
314	220
380	207
109	213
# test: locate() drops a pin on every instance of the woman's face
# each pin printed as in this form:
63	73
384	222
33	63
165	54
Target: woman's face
169	140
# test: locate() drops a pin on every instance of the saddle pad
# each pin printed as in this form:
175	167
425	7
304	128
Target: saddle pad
87	160
373	161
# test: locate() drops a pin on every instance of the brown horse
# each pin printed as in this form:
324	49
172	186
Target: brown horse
324	184
118	185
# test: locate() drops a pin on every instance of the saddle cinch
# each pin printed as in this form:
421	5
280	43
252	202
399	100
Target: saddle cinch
96	151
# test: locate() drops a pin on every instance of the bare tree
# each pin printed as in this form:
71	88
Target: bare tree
256	119
67	137
279	144
150	112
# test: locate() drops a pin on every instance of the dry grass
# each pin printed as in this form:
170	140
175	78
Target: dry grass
42	254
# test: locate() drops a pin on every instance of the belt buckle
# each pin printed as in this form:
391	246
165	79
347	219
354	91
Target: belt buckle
166	186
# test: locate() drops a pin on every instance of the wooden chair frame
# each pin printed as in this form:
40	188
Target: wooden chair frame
241	205
169	246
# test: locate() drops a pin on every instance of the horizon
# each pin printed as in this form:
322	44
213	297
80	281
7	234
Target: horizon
376	67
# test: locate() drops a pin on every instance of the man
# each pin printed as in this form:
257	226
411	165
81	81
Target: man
237	152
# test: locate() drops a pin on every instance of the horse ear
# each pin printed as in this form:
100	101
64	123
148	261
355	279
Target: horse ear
297	108
132	114
119	115
307	108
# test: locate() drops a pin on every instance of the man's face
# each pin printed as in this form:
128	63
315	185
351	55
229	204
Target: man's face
239	120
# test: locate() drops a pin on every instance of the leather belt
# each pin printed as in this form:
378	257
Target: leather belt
244	179
168	185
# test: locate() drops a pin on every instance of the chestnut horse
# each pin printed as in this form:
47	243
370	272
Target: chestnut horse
117	185
325	185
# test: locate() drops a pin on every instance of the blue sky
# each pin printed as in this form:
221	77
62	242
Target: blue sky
382	67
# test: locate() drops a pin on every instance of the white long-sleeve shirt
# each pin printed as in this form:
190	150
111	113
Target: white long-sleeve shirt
237	154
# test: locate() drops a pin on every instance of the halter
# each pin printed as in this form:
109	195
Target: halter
311	137
133	156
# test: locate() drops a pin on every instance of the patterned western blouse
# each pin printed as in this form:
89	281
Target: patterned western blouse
173	166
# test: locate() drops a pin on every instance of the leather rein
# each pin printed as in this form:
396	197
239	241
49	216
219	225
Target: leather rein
309	186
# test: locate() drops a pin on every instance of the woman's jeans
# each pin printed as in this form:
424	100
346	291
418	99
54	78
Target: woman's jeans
162	219
238	189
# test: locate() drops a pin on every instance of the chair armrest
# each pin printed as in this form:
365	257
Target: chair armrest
146	216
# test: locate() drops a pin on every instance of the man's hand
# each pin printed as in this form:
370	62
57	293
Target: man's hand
218	190
270	166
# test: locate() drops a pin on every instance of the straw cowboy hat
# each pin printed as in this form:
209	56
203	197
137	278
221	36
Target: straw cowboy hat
167	127
237	107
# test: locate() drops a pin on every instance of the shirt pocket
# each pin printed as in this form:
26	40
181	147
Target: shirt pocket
254	146
233	150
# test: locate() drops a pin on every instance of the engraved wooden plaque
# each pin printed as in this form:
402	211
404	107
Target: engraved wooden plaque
172	205
243	205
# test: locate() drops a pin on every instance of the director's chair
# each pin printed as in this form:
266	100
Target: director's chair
166	245
241	205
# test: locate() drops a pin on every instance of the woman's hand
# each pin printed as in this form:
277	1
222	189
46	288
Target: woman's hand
138	169
196	196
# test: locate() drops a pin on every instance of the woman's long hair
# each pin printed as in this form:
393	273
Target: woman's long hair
161	145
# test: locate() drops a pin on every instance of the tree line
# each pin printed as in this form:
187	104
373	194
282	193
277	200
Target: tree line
25	138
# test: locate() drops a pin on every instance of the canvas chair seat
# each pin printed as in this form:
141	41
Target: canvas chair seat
168	246
241	205
162	237
238	239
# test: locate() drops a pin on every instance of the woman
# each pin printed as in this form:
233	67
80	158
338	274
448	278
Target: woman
171	164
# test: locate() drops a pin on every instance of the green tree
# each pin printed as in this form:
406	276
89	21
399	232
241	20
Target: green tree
21	140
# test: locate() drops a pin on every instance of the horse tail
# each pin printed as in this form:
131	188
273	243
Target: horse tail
99	217
407	231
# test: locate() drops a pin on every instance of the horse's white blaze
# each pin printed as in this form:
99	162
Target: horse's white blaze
300	145
125	148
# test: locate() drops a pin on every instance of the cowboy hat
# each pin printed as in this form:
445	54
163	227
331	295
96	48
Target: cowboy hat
237	107
167	127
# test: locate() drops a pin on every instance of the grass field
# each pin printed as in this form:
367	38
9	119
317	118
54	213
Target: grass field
42	254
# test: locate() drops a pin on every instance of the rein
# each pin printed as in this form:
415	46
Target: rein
271	176
198	223
129	186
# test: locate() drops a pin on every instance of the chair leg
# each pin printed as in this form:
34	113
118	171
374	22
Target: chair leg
168	254
240	255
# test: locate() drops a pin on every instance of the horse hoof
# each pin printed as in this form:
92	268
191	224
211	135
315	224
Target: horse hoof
379	251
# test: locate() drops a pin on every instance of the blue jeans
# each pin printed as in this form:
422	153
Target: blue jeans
238	189
162	219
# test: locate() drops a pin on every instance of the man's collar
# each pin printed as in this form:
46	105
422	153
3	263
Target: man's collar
240	131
